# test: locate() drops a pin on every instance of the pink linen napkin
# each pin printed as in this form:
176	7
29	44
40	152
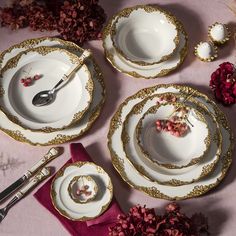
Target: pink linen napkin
99	225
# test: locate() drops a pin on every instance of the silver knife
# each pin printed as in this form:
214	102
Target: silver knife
38	177
52	153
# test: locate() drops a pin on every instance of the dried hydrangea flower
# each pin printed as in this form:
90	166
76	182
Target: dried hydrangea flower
142	221
75	20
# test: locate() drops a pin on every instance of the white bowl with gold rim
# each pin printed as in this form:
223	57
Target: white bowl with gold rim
83	188
164	149
145	35
138	71
72	100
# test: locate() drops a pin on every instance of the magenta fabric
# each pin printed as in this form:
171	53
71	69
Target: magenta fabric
97	226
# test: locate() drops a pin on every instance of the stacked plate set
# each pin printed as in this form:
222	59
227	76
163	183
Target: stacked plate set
171	142
145	41
49	59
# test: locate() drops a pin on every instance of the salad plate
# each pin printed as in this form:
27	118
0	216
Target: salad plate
68	189
57	137
161	174
75	95
138	39
182	126
131	175
139	71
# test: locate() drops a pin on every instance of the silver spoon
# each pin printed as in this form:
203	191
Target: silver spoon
39	177
48	96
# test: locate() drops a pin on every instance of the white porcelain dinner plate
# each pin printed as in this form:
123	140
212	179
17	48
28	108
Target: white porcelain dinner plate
160	174
164	148
138	71
72	100
145	35
131	176
58	137
61	194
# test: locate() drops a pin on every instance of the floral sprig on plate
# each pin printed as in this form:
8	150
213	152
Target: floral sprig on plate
223	83
176	124
166	98
28	81
142	221
83	191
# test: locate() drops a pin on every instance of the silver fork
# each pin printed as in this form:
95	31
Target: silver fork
40	176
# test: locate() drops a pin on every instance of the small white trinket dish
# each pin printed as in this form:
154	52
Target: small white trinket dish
218	33
206	51
83	189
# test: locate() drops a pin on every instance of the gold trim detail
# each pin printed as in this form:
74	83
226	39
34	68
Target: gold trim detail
95	112
197	190
53	193
125	13
153	110
106	32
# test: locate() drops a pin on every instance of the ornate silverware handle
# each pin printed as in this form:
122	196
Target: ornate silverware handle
39	177
52	153
85	55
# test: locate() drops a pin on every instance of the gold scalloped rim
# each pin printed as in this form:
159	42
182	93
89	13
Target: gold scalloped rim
221	41
31	43
59	139
149	9
197	190
60	173
212	58
208	168
193	161
163	72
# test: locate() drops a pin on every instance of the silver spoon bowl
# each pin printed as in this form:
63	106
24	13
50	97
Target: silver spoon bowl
46	97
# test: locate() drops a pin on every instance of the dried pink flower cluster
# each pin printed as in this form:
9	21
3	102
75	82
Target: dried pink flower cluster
142	221
166	98
173	126
75	20
81	21
223	83
29	80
